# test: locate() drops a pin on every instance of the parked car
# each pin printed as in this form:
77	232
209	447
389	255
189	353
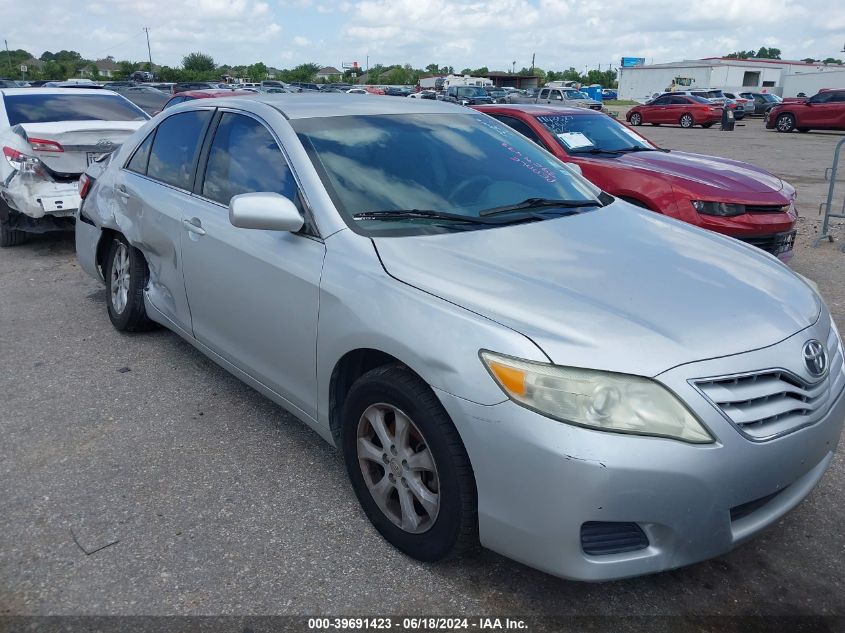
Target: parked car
609	94
686	111
190	95
746	106
466	95
148	99
558	96
585	386
713	96
823	111
305	85
38	83
763	101
185	86
392	91
48	138
113	85
8	83
497	94
424	94
358	91
723	195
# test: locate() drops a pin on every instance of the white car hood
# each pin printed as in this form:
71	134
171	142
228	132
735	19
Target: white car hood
619	288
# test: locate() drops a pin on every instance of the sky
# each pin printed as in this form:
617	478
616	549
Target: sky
459	33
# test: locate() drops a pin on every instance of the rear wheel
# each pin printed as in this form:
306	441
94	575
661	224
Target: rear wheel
686	121
408	465
785	123
636	119
126	276
8	235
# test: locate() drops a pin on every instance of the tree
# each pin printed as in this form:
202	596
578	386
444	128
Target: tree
808	60
762	53
257	71
480	72
832	60
198	62
432	69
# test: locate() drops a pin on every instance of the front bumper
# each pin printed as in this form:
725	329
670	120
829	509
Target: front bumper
539	481
36	197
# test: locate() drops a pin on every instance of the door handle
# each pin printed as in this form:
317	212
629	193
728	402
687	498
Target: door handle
194	225
121	191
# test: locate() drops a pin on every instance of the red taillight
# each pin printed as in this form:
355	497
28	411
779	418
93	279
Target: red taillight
85	182
22	162
44	145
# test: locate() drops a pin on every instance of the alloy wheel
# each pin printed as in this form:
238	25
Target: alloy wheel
785	123
119	282
398	468
636	119
686	121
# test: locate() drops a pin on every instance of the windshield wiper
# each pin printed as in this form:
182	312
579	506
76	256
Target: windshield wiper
596	150
426	214
541	203
637	148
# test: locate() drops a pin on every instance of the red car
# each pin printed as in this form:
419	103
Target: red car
685	110
824	111
720	194
203	94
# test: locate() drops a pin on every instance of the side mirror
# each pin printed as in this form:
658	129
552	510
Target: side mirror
269	211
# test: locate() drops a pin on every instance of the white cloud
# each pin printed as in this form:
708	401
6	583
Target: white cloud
460	33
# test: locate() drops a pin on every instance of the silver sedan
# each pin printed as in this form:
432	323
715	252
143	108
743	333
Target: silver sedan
503	352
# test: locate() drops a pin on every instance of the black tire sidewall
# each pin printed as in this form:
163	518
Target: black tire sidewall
134	312
439	541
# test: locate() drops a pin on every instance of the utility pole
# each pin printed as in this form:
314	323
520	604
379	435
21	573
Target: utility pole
9	56
513	68
149	51
532	63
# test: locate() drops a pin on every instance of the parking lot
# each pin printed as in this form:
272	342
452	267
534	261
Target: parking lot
140	478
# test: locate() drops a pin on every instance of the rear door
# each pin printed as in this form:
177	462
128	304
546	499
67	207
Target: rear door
820	111
253	293
151	192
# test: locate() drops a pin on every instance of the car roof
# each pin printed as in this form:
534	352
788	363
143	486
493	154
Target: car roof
210	94
308	105
53	91
537	110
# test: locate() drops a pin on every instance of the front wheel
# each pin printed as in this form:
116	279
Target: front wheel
636	119
785	123
687	121
126	276
408	465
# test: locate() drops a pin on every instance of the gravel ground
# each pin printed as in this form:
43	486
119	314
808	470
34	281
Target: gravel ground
208	499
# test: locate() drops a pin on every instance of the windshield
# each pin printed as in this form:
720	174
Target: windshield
471	91
770	98
585	133
448	163
46	108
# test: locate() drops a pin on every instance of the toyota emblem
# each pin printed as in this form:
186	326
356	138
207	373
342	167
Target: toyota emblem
105	144
815	358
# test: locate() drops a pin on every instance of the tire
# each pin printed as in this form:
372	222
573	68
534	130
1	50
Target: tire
686	121
8	235
126	273
785	122
739	117
636	119
447	525
707	125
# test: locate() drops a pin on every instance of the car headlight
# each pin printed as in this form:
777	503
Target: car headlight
594	399
723	209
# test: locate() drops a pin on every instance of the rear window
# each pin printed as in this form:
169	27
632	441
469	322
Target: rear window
47	108
698	99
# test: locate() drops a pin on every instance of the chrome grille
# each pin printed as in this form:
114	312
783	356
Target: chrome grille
769	403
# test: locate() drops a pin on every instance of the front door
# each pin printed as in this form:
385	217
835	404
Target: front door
253	293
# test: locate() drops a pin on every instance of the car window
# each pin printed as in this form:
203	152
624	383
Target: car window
245	158
662	101
47	108
544	94
175	148
138	162
679	100
173	102
698	99
822	97
520	126
838	97
556	95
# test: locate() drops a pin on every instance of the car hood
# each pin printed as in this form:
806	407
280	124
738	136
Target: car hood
710	171
619	289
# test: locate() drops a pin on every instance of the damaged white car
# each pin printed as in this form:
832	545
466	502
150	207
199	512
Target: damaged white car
49	137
